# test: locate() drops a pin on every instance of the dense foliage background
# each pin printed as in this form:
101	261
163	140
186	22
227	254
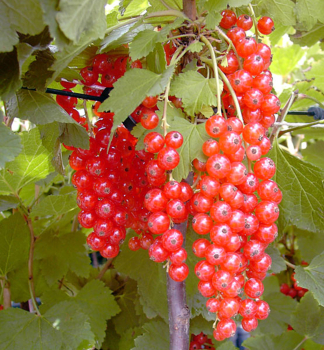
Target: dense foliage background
123	305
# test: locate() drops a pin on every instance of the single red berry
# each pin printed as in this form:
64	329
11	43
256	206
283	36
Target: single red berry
199	247
96	242
178	257
212	305
158	252
206	289
254	64
245	22
237	174
173	139
110	251
204	270
253	99
249	324
218	166
155	200
228	19
221	212
149	119
270	105
168	158
186	192
254	250
263	83
266	233
221	280
263	310
209	186
265	25
215	255
251	225
267	212
220	234
246	47
158	222
253	288
150	101
232	64
236	34
230	142
228	308
253	152
264	168
134	244
202	223
261	265
250	116
215	126
210	147
178	272
226	327
237	221
153	142
241	81
269	190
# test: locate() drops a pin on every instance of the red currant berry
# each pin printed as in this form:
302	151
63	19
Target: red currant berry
226	327
158	222
218	166
245	22
215	126
168	158
173	139
212	305
270	105
253	288
265	25
221	280
155	200
178	272
246	47
215	255
178	257
221	212
110	251
249	324
153	142
263	310
264	168
228	20
202	223
267	212
241	81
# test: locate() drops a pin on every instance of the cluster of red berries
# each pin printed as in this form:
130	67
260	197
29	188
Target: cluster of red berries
167	205
226	207
295	291
201	341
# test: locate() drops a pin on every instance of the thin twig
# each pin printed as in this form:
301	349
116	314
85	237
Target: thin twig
104	269
306	125
87	117
165	124
304	96
254	22
302	342
6	294
290	264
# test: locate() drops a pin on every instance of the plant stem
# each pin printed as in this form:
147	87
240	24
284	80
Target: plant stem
30	266
282	116
6	294
189	8
213	57
254	22
302	342
290	264
302	96
306	125
104	269
179	313
165	106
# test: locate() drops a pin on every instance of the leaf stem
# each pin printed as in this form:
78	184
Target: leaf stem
30	266
302	342
104	269
213	57
254	22
306	125
6	294
282	116
304	96
290	264
165	124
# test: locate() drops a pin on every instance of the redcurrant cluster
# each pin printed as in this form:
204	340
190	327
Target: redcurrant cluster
295	291
201	341
240	225
166	205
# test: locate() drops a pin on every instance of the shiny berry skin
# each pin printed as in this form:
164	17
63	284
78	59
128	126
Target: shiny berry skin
158	222
212	305
150	101
76	162
172	240
263	83
270	105
292	293
266	233
102	187
232	263
250	116
253	250
221	280
87	219
236	34
233	244
206	289
227	191
253	99
172	189
226	327
253	288
198	165
253	152
249	324
96	242
248	308
237	221
153	142
249	203
267	121
228	20
89	76
155	200
215	255
186	192
253	133
209	186
178	272
105	208
263	310
202	223
237	201
168	158
204	270
241	81
267	212
237	156
146	241
215	126
201	203
176	209
269	190
245	22
110	251
228	308
82	180
234	124
265	25
262	265
237	174
103	227
178	257
153	169
210	147
218	336
232	64
230	142
134	244
149	119
264	168
199	247
86	200
218	166
173	139
117	235
254	64
157	252
246	47
265	52
251	225
96	166
221	212
220	234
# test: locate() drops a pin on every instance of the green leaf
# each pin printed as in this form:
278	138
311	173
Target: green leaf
150	278
9	37
65	251
78	16
313	153
40	108
307	14
134	86
317	72
193	138
277	34
156	336
278	263
55	205
312	277
310	244
156	61
8	202
228	345
50	10
308	38
10	74
10	145
135	8
23	330
285	59
74	135
94	299
301	185
31	165
127	341
15	241
195	91
286	341
308	319
73	324
281	11
145	41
